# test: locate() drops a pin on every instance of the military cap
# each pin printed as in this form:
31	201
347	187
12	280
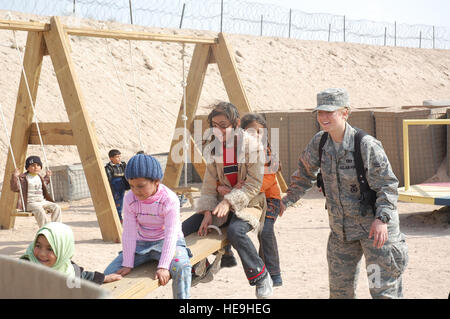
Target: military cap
331	100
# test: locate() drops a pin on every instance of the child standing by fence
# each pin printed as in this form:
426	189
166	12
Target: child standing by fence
115	171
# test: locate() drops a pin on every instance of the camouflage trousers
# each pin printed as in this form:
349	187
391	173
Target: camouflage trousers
384	266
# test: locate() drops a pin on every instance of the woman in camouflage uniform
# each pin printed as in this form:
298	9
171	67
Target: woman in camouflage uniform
356	229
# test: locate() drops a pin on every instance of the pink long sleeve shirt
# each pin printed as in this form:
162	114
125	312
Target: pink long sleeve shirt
156	218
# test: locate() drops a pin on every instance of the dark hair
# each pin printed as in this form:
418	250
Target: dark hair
113	153
228	110
249	118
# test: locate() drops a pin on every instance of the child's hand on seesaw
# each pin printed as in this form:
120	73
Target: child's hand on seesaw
163	276
207	220
112	277
123	271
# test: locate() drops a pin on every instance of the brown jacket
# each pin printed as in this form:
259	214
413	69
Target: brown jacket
24	183
248	203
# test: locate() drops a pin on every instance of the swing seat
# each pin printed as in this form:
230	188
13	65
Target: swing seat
20	213
186	191
140	281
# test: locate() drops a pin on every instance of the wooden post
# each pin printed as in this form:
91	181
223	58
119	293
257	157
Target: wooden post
83	134
230	76
23	117
194	84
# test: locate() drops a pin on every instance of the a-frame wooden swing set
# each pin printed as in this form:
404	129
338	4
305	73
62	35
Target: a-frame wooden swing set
53	39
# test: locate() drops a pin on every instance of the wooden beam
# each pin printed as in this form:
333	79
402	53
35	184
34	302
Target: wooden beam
83	133
134	35
223	54
23	116
100	33
194	84
52	134
24	26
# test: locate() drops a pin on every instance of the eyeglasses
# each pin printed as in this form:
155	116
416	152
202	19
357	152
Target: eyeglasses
221	125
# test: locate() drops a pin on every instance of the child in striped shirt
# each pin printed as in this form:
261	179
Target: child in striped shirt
152	228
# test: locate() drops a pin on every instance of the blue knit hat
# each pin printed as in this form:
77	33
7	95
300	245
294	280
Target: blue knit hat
143	166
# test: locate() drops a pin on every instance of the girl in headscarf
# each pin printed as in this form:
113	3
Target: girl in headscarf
54	246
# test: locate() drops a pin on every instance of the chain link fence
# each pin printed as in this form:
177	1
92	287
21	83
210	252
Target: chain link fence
241	17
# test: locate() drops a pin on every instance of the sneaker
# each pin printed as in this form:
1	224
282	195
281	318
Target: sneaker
277	281
228	261
183	200
264	287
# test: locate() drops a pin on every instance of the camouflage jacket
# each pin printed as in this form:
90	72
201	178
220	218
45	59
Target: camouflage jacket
341	184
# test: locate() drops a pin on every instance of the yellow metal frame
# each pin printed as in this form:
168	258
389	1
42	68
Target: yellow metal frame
406	123
418	194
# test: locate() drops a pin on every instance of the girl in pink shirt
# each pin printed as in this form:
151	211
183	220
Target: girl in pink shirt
152	228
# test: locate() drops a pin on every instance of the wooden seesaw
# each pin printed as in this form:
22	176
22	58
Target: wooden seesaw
140	282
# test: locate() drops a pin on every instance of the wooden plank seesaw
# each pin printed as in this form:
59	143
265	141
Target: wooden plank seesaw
141	282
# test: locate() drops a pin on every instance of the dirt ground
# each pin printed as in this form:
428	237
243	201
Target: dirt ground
302	235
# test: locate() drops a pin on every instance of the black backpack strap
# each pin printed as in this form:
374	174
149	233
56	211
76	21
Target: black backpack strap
320	184
322	142
359	165
368	196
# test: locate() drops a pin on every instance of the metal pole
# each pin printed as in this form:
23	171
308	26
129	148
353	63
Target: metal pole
385	31
290	20
433	39
131	12
420	39
395	33
261	25
182	15
344	28
221	15
73	6
329	32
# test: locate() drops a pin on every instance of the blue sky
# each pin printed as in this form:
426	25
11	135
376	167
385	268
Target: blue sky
429	12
